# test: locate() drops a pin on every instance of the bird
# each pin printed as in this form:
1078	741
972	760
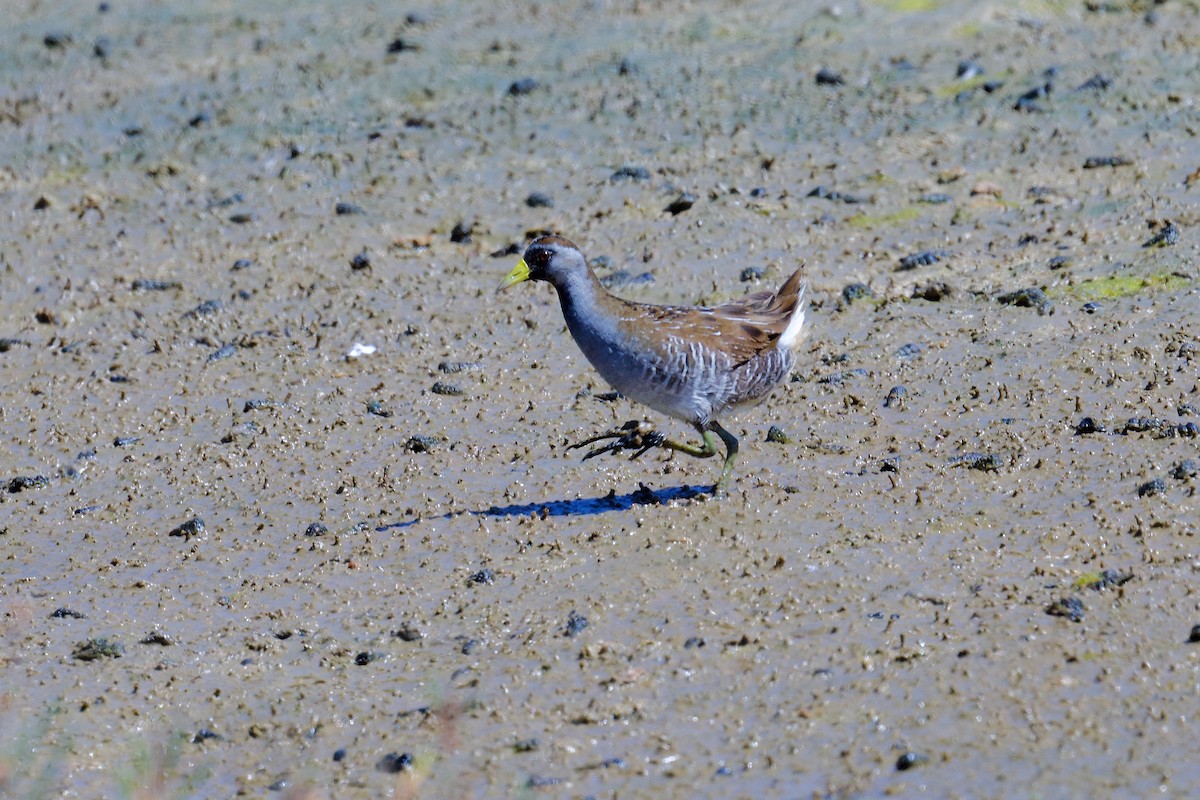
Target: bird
692	363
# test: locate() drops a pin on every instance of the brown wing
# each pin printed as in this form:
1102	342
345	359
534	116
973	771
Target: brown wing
741	329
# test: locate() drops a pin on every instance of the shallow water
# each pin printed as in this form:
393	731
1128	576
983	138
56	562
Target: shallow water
878	586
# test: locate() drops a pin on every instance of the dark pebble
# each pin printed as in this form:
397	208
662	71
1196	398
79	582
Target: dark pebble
538	781
339	754
56	40
1028	101
408	633
23	483
1058	262
890	464
258	405
758	191
316	529
935	198
680	204
484	576
624	277
346	209
193	527
94	649
195	122
64	613
204	734
825	193
775	434
461	234
206	308
539	200
575	624
984	462
41	204
644	496
1031	297
157	637
364	658
1194	635
243	218
724	772
378	409
840	378
401	46
1092	307
522	86
126	441
910	760
421	444
1096	83
895	397
526	745
856	291
152	285
1088	425
225	351
1167	235
922	258
102	47
279	785
910	350
1188	430
1109	578
451	367
469	646
242	263
1151	488
934	291
752	274
361	261
1143	424
448	389
8	343
1069	607
630	172
395	762
1188	468
827	77
1095	162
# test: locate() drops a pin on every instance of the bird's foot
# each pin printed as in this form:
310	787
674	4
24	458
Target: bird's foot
630	436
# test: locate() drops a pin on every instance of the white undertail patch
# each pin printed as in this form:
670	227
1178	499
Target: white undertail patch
794	333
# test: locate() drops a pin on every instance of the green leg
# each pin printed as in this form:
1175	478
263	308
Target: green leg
731	451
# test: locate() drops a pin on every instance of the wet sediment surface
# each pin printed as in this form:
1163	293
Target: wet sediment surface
287	502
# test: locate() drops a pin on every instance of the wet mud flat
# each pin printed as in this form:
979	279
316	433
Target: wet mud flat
286	501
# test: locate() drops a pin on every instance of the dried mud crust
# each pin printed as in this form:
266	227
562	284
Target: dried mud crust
287	501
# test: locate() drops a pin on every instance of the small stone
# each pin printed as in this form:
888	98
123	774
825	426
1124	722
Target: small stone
856	291
193	527
680	204
23	483
461	233
316	529
395	762
922	258
347	209
484	576
775	434
1069	607
1188	468
539	200
1088	425
630	172
339	754
1152	488
751	274
361	261
448	389
522	87
576	623
94	649
1167	235
934	291
1194	635
827	77
910	760
895	397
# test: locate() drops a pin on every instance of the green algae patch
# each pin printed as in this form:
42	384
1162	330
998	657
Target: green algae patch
884	220
1116	286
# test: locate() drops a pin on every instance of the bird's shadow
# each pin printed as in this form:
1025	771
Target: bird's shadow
580	507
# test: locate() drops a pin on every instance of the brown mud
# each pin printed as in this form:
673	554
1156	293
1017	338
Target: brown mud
235	560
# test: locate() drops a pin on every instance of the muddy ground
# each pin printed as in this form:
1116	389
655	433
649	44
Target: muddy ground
237	561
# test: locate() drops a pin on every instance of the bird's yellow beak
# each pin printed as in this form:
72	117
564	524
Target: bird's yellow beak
519	273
